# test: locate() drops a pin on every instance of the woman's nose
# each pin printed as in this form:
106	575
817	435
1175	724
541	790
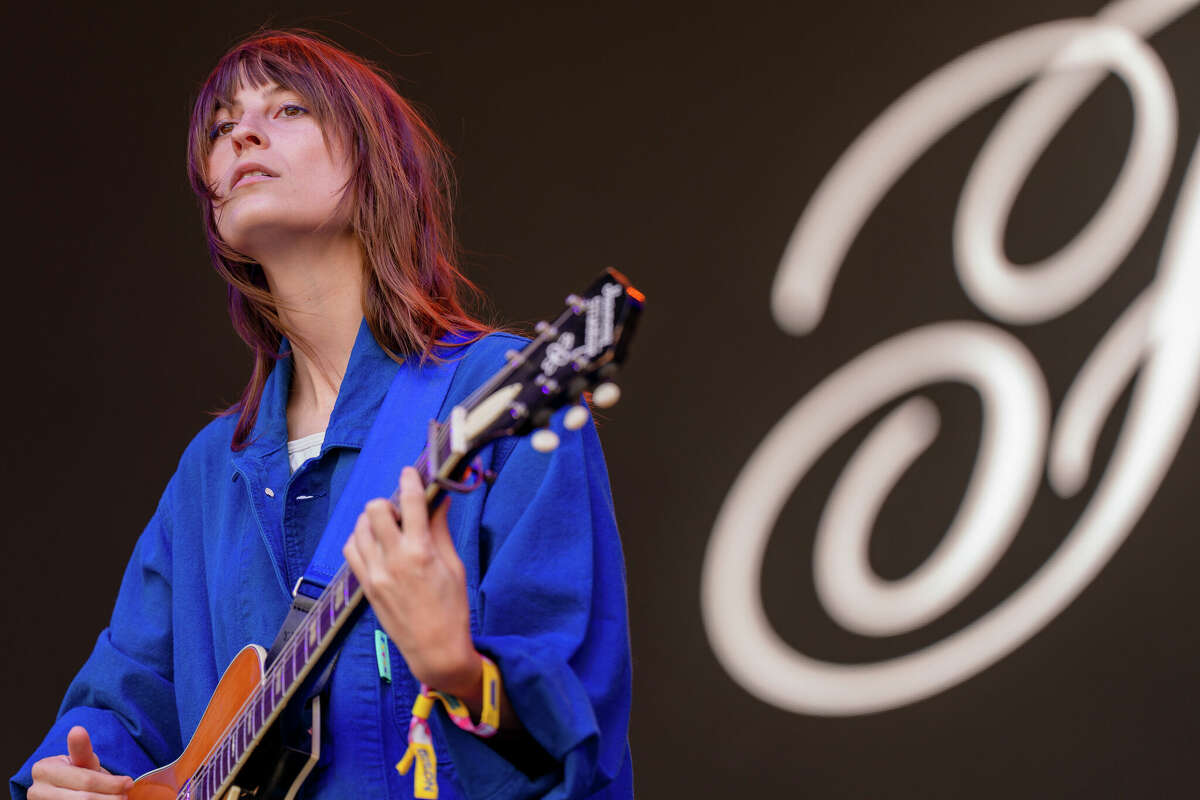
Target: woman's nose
248	134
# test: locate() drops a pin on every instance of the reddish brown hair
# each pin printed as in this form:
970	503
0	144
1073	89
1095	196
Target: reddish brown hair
399	196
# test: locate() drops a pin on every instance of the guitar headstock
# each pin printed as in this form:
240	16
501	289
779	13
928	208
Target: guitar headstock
580	351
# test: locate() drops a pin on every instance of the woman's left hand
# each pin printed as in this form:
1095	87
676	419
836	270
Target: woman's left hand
416	584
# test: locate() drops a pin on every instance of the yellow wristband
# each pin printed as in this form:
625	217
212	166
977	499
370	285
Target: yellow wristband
420	751
489	716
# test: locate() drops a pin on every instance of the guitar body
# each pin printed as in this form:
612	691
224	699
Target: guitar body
276	768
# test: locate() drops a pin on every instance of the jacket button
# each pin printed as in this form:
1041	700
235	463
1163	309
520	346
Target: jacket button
269	492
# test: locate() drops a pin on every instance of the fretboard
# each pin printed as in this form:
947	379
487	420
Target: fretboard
291	667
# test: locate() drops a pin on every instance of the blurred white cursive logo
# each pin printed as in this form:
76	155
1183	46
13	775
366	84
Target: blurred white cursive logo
1157	339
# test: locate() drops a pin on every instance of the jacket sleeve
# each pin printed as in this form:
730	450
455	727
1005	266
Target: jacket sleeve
552	614
124	693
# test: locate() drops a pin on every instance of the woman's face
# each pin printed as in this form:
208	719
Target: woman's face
275	179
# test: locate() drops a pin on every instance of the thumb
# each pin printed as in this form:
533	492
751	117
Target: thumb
79	745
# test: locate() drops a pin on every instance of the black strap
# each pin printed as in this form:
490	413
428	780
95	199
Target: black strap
301	605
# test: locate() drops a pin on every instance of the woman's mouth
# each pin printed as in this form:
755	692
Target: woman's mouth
253	176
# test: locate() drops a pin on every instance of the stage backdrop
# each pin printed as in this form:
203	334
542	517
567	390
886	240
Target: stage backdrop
904	468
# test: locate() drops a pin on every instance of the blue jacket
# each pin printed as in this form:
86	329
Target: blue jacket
232	533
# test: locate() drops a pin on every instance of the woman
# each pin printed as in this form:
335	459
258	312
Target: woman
326	204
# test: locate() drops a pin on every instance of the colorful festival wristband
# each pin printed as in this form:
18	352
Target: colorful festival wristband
420	738
489	716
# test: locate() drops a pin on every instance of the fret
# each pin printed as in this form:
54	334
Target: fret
320	625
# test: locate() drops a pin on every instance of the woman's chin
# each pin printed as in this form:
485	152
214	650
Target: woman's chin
259	230
257	234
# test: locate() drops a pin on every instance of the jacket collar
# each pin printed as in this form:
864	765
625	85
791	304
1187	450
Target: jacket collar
369	373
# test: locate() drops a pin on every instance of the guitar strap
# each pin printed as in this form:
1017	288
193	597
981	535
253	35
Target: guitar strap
395	440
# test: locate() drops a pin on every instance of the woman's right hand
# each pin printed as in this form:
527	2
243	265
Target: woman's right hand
77	776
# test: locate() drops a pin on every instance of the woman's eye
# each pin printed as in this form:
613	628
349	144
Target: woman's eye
221	128
292	110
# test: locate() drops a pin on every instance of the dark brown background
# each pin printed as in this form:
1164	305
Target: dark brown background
678	142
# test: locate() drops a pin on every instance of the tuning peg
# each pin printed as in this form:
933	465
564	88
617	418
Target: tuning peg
606	395
576	417
544	440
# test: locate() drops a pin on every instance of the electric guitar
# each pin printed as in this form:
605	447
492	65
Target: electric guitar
253	740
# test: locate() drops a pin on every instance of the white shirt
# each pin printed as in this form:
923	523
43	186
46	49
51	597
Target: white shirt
304	448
